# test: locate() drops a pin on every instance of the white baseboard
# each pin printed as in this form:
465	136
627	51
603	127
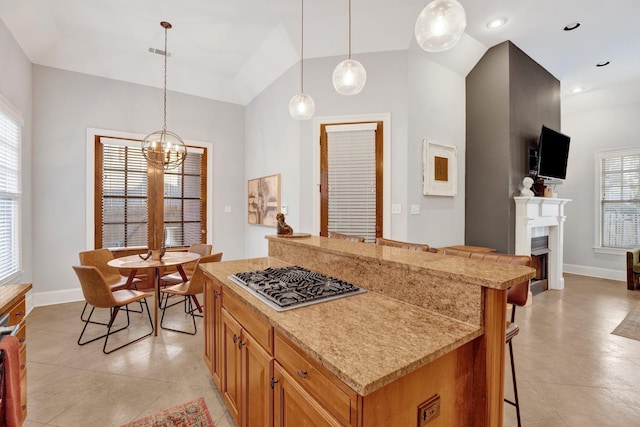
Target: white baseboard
56	297
603	273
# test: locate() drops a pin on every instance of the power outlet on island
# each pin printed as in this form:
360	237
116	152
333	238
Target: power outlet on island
428	410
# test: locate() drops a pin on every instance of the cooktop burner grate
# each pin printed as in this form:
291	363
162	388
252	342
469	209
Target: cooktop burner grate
291	287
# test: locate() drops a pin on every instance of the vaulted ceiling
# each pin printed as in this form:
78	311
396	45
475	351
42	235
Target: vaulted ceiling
232	50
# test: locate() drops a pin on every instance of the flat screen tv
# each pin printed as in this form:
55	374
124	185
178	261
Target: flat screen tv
553	153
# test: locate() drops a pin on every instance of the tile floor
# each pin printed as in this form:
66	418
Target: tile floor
571	370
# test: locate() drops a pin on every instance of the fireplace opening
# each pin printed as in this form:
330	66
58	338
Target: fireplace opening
539	261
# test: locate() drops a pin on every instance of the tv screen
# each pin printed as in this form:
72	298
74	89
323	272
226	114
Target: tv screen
553	153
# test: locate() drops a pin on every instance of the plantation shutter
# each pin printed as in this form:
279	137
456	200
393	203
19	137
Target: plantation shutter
10	193
351	154
184	201
124	201
620	198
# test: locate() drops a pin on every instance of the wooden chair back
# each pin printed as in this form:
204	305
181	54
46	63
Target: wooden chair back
404	245
196	284
95	289
99	258
334	235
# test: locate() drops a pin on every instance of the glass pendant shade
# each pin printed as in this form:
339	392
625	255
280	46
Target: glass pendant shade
440	25
164	149
349	77
302	107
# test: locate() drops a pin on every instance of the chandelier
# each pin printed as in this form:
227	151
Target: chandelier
349	76
302	106
164	149
440	25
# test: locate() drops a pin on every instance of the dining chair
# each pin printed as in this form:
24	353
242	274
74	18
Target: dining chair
188	291
99	258
201	249
404	245
335	235
99	294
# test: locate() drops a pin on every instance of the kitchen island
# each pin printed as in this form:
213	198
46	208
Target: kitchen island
425	341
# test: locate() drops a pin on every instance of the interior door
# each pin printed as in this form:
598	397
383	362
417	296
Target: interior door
351	172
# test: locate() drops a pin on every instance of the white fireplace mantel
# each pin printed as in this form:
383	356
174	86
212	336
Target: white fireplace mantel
548	212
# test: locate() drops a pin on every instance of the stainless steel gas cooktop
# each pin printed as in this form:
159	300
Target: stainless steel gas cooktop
286	288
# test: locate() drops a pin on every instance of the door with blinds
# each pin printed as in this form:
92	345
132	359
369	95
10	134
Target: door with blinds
351	179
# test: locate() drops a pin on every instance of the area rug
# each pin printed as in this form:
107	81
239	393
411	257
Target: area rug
190	414
630	326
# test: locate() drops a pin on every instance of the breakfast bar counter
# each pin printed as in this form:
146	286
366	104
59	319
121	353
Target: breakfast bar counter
426	339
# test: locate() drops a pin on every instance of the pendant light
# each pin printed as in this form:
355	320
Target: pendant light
302	106
440	25
349	76
164	149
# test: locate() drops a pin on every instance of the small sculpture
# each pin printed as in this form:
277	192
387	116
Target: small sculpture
527	182
283	228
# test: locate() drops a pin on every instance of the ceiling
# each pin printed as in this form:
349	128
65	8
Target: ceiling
232	50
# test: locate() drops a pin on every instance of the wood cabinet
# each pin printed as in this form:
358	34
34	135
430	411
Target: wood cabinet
213	329
246	347
12	301
293	406
335	402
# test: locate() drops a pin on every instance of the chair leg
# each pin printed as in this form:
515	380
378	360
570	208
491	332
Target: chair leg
188	310
516	401
114	313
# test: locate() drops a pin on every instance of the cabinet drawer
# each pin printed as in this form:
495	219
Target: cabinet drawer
17	313
257	327
329	391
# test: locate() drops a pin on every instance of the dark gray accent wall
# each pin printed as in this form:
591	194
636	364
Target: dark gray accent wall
509	98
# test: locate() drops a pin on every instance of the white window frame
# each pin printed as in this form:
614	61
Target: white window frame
14	113
90	189
599	156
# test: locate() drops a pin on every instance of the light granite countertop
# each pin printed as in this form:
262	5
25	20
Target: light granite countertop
367	340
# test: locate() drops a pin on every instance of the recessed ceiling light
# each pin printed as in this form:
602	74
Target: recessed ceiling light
572	26
495	23
603	64
578	89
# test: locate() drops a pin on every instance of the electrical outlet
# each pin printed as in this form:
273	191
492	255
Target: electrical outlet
227	209
415	209
396	209
428	410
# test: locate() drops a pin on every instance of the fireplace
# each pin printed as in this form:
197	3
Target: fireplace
539	255
536	213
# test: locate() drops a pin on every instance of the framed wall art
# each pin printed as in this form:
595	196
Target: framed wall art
439	169
263	200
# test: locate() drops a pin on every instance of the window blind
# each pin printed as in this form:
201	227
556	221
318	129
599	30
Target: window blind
10	195
620	200
184	204
351	154
124	200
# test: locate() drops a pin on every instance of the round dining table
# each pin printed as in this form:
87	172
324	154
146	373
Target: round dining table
135	263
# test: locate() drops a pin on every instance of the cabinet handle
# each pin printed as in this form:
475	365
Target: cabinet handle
21	340
22	367
302	374
216	294
235	338
20	313
273	382
240	344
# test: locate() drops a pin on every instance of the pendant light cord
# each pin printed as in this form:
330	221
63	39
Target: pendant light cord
302	49
166	52
349	29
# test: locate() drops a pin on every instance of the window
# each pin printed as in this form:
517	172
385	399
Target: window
10	191
128	211
619	197
351	171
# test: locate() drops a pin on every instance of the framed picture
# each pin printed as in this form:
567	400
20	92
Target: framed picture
439	169
263	200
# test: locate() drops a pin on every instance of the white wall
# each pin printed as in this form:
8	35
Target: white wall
424	100
65	104
605	119
436	112
15	87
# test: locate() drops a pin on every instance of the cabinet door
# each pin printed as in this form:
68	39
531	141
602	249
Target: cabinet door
231	363
209	326
213	330
257	397
294	407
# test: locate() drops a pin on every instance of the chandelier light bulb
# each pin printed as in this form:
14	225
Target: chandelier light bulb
349	77
302	107
440	25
